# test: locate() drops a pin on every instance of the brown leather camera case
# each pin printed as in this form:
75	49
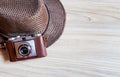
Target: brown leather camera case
40	49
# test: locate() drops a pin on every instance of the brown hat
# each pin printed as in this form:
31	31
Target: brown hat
24	17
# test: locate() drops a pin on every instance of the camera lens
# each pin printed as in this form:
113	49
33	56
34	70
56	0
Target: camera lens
24	50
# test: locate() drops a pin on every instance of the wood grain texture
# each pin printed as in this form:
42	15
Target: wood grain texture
89	46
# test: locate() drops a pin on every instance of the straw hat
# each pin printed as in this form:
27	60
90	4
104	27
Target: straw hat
25	17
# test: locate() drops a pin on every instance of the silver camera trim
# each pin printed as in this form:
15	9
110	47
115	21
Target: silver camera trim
29	40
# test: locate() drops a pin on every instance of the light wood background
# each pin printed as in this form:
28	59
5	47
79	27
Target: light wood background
89	46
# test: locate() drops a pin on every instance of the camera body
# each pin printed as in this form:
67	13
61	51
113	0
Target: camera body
26	47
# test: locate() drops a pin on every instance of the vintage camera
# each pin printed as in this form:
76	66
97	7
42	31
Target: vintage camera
26	47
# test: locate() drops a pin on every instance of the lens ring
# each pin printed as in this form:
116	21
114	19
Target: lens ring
24	49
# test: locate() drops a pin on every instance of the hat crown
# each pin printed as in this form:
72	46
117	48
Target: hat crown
21	17
19	7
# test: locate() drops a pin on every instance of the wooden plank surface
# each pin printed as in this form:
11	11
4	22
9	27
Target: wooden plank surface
89	46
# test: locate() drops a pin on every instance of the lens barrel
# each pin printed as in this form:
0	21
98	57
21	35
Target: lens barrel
24	50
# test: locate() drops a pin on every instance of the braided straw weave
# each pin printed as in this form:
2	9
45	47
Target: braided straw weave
24	17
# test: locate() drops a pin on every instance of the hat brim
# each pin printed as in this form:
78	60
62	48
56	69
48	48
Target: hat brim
57	20
54	28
